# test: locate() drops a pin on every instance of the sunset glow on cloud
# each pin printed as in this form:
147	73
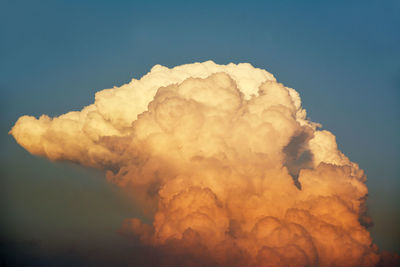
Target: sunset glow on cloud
226	160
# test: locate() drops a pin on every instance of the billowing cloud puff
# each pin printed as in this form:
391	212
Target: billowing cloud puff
228	161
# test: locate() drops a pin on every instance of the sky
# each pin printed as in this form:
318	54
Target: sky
342	57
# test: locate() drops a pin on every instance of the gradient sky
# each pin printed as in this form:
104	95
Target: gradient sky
343	58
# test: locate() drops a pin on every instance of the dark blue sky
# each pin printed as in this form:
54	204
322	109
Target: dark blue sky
343	58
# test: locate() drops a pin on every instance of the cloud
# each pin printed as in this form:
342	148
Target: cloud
228	162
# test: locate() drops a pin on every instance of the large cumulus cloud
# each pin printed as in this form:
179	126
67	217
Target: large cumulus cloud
228	162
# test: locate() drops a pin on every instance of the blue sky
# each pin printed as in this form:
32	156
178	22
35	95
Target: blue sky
342	57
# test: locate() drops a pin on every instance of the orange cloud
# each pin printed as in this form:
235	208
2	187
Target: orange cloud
226	158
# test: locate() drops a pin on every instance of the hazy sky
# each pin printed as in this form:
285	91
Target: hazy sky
342	57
